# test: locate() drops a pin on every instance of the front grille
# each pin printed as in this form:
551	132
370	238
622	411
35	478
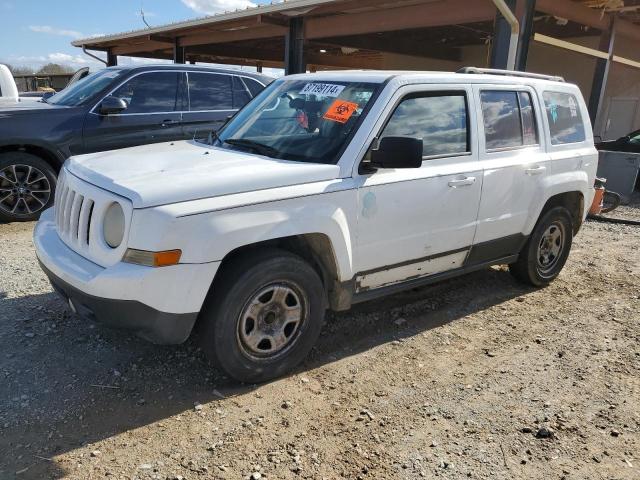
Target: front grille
74	212
79	211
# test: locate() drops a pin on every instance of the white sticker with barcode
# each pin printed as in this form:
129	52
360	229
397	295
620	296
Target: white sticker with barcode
322	89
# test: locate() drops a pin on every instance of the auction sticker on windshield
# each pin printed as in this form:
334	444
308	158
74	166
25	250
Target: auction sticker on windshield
322	89
340	111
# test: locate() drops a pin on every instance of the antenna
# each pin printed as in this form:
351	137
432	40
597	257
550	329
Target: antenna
142	15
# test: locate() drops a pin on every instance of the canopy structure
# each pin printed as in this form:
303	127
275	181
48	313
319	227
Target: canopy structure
580	40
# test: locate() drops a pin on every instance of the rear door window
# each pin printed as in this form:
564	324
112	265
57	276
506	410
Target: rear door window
439	119
254	86
210	91
241	95
565	120
509	119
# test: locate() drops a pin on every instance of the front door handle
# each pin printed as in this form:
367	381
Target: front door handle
168	123
462	182
535	170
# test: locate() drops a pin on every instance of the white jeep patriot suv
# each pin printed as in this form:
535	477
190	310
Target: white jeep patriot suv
325	190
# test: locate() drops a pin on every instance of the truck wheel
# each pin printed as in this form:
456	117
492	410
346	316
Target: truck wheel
27	186
263	315
547	249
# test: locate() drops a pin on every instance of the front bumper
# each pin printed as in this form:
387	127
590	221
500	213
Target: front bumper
160	304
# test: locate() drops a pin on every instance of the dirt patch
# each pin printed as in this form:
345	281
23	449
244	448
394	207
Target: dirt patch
478	377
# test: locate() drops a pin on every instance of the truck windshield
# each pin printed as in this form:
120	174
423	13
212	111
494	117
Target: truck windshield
300	120
86	88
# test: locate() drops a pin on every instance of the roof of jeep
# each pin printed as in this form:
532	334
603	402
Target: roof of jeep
380	76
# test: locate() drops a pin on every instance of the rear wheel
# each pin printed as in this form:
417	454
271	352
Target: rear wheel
547	249
27	185
263	316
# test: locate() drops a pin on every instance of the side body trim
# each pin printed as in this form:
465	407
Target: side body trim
428	280
494	252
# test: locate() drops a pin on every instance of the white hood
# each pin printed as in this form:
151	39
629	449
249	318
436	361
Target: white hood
165	173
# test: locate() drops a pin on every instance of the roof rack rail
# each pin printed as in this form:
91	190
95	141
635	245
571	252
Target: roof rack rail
513	73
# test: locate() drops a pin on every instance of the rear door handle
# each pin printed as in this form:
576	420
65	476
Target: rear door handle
462	182
535	170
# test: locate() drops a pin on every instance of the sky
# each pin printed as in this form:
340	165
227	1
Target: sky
36	32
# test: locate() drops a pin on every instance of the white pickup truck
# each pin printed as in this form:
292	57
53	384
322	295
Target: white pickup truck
325	190
9	95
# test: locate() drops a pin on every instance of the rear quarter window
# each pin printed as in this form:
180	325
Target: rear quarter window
254	86
564	117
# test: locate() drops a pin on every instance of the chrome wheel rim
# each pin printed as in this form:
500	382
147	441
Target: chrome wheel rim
24	190
550	247
271	320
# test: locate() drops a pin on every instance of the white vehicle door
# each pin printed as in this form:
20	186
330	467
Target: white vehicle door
515	164
414	222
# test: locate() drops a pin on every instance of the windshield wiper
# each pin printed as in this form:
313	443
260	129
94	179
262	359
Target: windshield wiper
254	146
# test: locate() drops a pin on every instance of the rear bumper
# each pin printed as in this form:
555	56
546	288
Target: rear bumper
150	324
161	304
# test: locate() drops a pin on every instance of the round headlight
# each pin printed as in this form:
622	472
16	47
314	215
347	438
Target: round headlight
113	225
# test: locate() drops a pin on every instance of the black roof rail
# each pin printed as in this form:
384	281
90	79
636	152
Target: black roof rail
512	73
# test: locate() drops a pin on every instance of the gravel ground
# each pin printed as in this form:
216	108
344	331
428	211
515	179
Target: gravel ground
478	377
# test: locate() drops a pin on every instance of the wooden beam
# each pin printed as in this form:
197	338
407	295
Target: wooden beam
344	61
233	51
268	20
161	39
584	15
432	14
163	55
255	33
402	46
574	11
148	46
253	55
235	61
574	47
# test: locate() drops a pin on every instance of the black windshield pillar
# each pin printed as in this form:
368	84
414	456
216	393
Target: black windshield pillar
294	61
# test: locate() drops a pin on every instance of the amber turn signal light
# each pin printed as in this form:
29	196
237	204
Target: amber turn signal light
152	259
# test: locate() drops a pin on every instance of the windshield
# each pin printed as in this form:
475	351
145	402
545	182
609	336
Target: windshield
299	120
80	91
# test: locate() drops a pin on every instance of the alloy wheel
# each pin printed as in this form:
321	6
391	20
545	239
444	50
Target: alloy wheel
24	190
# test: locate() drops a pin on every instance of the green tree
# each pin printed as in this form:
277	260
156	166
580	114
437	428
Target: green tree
53	68
19	70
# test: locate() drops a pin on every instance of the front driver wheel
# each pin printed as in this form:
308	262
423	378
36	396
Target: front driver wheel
547	249
27	186
264	314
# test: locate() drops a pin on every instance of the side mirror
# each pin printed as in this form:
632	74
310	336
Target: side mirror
46	95
111	105
397	152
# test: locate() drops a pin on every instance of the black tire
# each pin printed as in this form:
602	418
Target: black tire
536	264
610	201
24	182
251	286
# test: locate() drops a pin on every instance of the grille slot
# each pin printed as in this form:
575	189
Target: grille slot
73	214
79	210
